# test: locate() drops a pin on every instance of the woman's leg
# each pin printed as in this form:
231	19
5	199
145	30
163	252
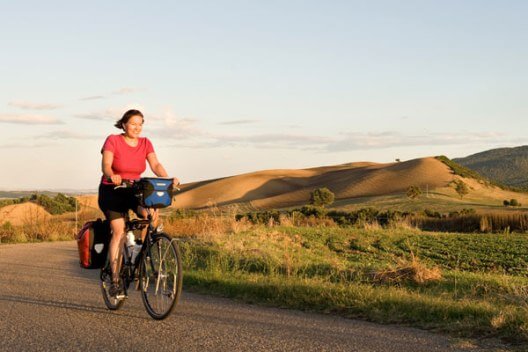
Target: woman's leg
116	243
142	212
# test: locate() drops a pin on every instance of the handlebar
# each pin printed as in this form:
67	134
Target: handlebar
130	183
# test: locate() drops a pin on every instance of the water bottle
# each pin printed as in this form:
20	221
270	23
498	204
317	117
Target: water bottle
130	241
136	250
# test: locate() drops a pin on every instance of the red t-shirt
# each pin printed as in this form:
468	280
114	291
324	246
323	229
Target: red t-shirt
129	162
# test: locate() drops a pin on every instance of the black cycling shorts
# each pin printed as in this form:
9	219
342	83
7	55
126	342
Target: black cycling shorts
115	203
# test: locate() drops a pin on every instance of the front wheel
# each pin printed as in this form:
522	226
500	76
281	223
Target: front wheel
160	276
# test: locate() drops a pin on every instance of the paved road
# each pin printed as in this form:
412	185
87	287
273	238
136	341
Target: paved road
47	302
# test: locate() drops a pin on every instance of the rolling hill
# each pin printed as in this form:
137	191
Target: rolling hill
283	188
508	166
25	213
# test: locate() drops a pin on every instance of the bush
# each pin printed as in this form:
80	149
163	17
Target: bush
461	188
57	205
413	192
506	203
317	211
432	214
514	203
321	197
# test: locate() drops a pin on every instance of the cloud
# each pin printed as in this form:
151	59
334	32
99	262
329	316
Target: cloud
33	106
94	116
67	134
264	141
389	139
29	119
108	114
26	146
170	126
120	91
125	90
344	142
238	122
93	97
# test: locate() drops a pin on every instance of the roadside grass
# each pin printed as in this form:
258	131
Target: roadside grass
466	284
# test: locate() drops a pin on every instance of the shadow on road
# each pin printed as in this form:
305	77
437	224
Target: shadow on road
65	305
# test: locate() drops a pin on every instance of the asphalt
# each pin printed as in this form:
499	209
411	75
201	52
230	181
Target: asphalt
48	303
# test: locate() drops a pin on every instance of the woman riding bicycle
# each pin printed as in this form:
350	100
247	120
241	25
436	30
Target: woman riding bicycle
124	160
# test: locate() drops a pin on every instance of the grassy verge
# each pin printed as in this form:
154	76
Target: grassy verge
465	284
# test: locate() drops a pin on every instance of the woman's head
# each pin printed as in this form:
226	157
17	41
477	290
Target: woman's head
131	123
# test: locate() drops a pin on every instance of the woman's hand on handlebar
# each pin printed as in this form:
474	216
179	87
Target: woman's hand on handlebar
175	181
116	179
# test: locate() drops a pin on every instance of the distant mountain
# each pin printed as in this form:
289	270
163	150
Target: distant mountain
51	193
508	166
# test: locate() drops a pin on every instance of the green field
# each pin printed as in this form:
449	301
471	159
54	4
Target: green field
464	284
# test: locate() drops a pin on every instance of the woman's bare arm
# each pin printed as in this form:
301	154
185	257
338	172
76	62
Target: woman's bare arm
108	158
157	168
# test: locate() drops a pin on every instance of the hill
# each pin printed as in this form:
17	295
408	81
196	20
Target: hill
508	166
25	213
283	188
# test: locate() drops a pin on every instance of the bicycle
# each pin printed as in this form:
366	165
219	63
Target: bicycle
156	269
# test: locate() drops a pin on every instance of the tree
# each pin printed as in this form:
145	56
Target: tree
506	203
321	197
413	192
514	202
461	188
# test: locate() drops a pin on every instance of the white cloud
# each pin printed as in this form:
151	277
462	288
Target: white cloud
29	119
239	122
111	114
343	142
67	134
170	126
93	97
25	146
389	139
33	106
125	90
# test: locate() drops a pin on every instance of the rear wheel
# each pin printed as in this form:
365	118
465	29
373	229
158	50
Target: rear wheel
160	276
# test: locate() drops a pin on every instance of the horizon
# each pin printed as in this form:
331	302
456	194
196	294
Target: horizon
238	87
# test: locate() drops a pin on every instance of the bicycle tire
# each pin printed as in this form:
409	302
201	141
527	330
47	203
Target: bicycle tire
111	303
160	276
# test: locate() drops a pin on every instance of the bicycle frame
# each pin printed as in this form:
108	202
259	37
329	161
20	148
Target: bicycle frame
130	269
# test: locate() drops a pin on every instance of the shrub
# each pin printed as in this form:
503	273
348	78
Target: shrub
432	214
321	197
413	192
506	203
461	188
514	202
317	211
57	205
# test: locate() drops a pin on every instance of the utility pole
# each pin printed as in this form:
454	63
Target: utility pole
76	217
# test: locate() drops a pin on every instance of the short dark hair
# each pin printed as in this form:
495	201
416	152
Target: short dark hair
127	116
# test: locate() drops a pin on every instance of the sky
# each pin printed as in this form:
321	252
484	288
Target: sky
229	87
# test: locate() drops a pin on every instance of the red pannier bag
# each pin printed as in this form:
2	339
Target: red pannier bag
93	240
